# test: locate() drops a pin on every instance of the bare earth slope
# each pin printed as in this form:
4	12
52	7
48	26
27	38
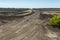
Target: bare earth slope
29	27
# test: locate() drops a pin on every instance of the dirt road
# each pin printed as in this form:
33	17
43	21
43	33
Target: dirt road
29	27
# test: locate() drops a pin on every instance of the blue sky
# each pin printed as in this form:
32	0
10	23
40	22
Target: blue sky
30	3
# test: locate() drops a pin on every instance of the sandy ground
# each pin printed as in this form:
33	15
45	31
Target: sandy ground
30	27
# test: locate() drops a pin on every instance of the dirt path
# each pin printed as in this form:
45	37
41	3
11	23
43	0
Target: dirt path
28	28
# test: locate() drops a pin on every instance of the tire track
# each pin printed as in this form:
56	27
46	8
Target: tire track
29	28
16	26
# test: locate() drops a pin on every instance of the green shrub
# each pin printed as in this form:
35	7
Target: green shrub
55	20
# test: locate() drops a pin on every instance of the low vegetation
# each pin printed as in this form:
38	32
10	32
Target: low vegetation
55	20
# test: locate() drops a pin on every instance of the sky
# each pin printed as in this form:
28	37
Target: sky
29	3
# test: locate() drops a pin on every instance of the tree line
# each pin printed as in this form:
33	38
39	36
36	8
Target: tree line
14	9
47	9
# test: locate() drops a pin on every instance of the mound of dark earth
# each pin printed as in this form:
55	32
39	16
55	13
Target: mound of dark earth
29	27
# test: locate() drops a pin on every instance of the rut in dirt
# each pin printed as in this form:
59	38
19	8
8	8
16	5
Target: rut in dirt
29	27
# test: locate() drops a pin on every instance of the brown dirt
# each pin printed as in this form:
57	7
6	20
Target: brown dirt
29	27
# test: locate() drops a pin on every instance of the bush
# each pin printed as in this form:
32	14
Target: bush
55	20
